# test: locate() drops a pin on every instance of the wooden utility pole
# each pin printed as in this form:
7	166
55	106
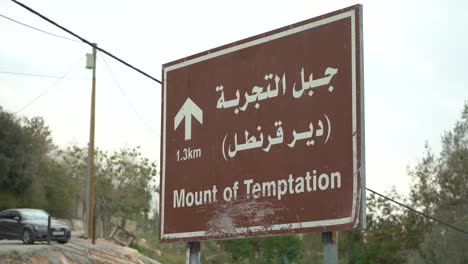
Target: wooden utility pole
90	177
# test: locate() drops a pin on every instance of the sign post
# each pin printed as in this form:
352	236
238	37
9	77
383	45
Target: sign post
330	247
192	252
265	135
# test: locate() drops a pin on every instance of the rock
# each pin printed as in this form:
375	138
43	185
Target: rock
142	243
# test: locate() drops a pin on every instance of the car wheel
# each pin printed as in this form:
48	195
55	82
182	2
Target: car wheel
63	241
27	237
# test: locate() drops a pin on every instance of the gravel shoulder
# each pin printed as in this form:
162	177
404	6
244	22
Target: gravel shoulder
76	251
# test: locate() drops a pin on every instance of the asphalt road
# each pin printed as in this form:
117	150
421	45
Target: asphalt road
16	248
7	246
78	250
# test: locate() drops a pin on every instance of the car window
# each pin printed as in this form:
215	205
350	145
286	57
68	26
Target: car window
14	214
5	214
34	215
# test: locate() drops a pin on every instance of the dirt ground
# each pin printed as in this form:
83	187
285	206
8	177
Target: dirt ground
77	251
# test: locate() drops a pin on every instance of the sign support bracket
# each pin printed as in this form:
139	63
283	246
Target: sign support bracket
192	252
330	247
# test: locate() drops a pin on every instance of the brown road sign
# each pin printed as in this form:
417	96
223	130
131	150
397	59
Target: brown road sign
266	135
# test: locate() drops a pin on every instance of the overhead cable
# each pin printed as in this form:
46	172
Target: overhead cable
127	99
85	41
35	75
419	212
38	29
52	86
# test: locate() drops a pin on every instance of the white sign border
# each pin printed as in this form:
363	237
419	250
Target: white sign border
349	14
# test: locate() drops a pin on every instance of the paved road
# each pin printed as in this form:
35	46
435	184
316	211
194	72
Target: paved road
6	246
78	250
12	248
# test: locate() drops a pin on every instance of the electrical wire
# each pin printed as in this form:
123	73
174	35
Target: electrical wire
419	212
48	89
36	75
85	41
126	97
38	29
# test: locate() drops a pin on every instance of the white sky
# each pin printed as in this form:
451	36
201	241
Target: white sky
415	64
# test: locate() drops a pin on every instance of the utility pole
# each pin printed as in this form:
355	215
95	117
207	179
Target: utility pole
91	64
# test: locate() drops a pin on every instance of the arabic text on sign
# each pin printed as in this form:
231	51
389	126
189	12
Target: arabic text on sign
259	93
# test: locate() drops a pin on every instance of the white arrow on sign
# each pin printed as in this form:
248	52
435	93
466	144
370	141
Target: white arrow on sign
188	110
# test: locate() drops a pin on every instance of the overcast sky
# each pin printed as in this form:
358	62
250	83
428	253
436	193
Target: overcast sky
415	61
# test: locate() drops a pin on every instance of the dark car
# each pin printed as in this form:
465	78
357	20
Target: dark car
30	225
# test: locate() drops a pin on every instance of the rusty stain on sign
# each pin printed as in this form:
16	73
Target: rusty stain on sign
225	221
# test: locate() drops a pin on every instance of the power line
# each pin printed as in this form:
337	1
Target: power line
85	41
419	212
126	97
38	29
35	75
48	89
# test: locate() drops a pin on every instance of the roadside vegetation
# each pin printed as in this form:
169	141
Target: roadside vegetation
38	174
35	173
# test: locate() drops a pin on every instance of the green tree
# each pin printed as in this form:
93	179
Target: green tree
30	176
385	239
44	169
25	145
15	173
274	249
123	184
74	160
440	188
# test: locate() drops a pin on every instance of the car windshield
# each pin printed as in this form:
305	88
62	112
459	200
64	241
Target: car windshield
34	215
